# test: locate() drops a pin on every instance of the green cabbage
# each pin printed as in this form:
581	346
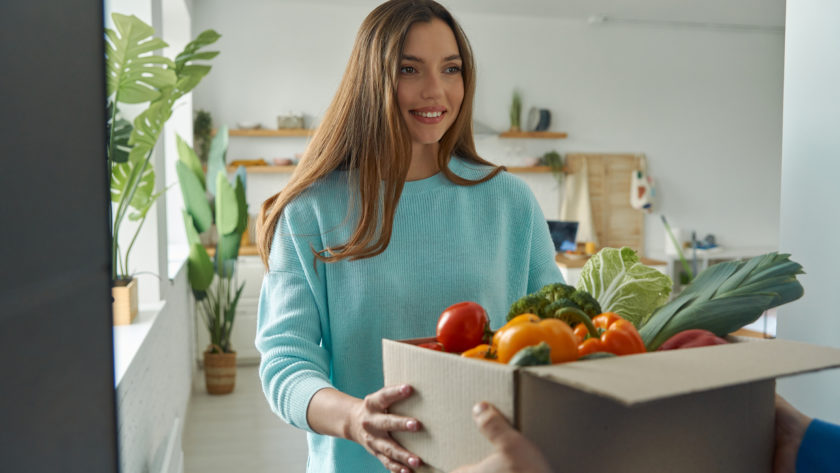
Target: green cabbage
622	284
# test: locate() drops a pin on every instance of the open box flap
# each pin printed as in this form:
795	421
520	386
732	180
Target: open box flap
637	379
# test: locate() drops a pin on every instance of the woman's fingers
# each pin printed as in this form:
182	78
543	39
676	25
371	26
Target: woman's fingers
391	465
381	400
391	422
374	425
394	452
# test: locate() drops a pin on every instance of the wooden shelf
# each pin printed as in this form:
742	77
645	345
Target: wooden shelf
552	135
528	169
244	250
269	132
265	169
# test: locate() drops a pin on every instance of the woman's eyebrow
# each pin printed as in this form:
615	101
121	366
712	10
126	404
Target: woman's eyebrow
408	57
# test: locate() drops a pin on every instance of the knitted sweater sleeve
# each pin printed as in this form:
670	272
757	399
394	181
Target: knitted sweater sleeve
818	450
291	325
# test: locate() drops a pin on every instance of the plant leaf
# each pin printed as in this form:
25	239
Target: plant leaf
190	52
125	176
131	70
239	189
118	147
148	125
227	251
189	78
192	234
227	207
141	213
194	198
187	156
216	158
199	268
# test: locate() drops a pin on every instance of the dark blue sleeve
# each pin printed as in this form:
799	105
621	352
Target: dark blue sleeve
820	449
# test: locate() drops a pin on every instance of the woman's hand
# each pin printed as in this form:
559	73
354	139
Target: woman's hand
790	428
371	426
514	453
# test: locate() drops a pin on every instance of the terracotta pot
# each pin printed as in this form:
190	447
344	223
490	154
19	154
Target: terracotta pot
124	305
219	372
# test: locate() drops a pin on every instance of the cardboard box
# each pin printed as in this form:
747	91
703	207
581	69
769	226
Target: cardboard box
692	410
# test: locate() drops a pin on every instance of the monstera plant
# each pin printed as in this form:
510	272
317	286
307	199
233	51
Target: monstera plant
138	76
211	201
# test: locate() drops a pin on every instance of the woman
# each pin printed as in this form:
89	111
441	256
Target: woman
390	218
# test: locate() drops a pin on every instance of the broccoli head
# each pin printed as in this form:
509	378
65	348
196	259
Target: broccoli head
556	291
547	301
530	304
550	311
585	302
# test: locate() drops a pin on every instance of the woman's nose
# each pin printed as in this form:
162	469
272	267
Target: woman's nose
432	87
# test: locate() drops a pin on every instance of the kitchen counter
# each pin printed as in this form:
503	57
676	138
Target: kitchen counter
564	261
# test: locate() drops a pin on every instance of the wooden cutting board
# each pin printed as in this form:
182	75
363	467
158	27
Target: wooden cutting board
616	223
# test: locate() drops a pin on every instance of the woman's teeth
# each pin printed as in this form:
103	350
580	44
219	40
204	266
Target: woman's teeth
428	114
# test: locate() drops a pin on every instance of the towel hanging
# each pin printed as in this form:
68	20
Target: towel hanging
576	205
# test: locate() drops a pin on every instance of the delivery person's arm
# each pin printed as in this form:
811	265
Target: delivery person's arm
804	445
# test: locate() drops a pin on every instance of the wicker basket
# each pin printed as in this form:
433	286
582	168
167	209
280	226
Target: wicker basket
219	372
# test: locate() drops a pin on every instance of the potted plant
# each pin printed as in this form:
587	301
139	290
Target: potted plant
202	134
554	160
515	111
135	75
212	280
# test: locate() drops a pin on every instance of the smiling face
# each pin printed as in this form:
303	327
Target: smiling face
430	87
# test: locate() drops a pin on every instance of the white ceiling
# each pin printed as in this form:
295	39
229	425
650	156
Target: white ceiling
763	13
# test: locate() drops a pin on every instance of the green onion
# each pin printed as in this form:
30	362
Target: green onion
725	297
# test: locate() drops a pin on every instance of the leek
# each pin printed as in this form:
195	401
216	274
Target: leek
725	297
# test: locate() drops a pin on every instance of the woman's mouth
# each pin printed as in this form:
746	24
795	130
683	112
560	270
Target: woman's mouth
428	117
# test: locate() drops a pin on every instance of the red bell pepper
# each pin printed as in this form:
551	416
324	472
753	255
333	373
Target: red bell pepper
692	338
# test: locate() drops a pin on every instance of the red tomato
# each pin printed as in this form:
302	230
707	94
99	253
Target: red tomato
432	346
461	326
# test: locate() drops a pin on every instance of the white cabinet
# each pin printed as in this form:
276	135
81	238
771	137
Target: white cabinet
249	270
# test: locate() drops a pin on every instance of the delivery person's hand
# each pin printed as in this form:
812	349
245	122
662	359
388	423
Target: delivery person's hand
790	429
514	453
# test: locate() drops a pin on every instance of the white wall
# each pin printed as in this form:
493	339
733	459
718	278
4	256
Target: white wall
154	392
703	105
810	194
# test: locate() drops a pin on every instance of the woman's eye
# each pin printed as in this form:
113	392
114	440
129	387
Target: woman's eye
407	70
453	69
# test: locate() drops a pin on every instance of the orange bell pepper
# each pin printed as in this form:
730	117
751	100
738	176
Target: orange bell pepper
528	330
481	352
617	336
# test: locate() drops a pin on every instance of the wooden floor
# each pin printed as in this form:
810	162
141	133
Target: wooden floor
238	432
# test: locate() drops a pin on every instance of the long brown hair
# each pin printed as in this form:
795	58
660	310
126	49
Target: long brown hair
363	132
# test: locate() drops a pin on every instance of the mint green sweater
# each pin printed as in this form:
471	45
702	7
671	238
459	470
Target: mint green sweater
322	325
